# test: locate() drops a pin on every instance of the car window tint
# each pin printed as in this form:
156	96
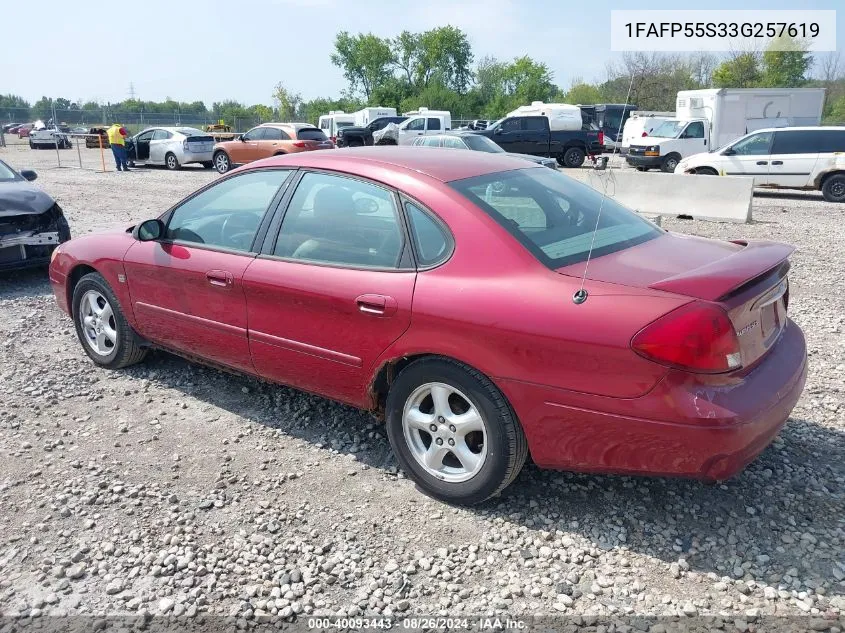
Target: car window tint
273	134
433	124
796	142
338	220
227	214
512	125
431	141
754	145
310	134
831	141
416	124
255	134
431	242
453	142
535	124
694	130
146	136
555	217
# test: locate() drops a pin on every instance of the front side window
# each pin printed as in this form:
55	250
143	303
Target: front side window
512	125
694	130
255	134
754	145
416	125
553	216
343	221
146	136
227	215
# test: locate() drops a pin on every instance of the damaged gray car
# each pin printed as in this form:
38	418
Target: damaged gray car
31	223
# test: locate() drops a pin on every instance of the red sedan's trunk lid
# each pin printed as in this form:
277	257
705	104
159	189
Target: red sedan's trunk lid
748	279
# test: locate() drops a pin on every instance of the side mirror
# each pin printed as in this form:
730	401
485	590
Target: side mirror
29	175
498	130
242	139
729	151
149	230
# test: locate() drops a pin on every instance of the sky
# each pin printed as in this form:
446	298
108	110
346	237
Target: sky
189	50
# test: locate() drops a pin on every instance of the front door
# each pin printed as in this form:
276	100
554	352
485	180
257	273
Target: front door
333	290
412	128
247	148
748	157
696	138
142	146
159	145
187	289
509	134
793	158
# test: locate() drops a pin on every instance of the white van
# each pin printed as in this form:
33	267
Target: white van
367	115
424	122
641	124
810	158
330	123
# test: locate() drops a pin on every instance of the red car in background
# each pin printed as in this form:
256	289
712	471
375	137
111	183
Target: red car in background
24	130
441	289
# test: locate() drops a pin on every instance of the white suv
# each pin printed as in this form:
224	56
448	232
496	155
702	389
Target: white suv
781	158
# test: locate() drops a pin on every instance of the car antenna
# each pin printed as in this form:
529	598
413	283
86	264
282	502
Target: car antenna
580	295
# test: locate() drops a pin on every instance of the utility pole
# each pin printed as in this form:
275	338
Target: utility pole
132	91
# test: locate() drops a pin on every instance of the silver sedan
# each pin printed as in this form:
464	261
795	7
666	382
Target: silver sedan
171	147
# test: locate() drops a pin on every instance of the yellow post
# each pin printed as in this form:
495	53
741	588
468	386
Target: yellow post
102	155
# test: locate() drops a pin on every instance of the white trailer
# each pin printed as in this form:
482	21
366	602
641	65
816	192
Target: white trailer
366	115
706	120
330	123
561	116
640	124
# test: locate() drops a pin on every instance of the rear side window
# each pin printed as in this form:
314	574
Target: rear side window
310	134
431	141
432	243
161	135
535	124
796	142
553	216
453	143
275	134
433	124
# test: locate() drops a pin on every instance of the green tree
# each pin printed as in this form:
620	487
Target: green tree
445	54
786	68
742	71
287	102
836	115
364	58
580	92
264	113
13	101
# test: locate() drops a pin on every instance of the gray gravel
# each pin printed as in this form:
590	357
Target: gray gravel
170	488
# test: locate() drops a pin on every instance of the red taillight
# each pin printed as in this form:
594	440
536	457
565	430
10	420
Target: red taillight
333	139
299	144
601	137
645	134
697	337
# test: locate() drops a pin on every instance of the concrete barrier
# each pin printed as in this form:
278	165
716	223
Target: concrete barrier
718	198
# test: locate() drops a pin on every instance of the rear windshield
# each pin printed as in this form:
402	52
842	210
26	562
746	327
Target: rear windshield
191	131
310	134
554	216
482	144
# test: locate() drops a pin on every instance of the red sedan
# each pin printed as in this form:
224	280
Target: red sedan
442	290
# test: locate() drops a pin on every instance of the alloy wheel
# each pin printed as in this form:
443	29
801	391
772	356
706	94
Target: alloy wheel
98	324
445	432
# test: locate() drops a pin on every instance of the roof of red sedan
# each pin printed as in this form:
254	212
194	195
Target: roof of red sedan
442	164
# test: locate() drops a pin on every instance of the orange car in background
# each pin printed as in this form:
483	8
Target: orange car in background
269	139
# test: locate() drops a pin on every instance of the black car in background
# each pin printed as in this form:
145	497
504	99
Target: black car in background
32	225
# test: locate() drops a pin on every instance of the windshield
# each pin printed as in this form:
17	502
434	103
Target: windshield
482	144
6	172
554	216
668	129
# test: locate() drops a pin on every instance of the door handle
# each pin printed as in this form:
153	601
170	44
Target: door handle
777	162
376	305
764	162
220	278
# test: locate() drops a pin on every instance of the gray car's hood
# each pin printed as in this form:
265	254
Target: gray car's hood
534	159
21	198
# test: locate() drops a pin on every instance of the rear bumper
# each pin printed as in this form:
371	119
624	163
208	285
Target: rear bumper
708	428
197	157
643	161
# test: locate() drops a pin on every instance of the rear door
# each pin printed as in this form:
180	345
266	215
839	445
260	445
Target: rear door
271	143
333	290
747	157
433	125
158	145
793	158
187	289
535	136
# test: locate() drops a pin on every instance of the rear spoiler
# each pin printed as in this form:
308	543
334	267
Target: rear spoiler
714	281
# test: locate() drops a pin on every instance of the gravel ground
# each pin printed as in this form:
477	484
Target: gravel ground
170	488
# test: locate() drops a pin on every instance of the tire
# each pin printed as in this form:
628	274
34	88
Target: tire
32	145
209	164
495	437
117	350
573	157
171	162
222	163
641	168
833	188
669	163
